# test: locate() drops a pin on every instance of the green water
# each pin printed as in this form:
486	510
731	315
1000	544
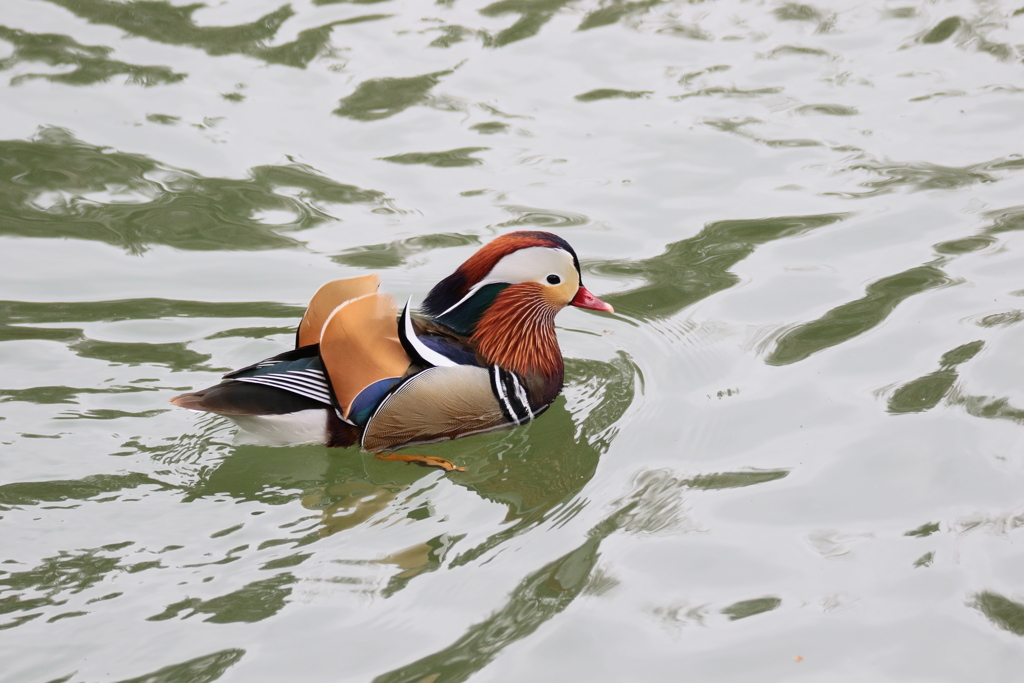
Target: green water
796	452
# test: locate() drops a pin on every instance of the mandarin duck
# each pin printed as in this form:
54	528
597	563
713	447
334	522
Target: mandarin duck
482	355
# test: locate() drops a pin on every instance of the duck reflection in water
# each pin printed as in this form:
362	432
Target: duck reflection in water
533	472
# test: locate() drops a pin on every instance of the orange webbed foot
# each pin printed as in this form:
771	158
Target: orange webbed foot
423	460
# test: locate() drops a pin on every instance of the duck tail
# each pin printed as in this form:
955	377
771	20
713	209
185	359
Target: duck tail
192	401
241	398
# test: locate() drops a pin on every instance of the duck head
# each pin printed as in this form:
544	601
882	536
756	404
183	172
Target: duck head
505	298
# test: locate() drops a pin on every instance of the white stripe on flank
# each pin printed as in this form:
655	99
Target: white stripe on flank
523	399
499	389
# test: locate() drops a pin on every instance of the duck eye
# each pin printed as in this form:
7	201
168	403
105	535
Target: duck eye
553	279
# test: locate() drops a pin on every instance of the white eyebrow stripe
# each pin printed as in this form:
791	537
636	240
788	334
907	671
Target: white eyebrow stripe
504	271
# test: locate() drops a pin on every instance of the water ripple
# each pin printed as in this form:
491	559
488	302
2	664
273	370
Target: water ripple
91	62
184	210
854	318
698	267
533	218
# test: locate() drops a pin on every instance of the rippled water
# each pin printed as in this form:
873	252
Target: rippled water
795	453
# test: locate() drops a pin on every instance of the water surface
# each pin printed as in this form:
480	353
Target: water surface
794	453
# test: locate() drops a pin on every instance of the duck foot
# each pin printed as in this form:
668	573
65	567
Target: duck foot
424	460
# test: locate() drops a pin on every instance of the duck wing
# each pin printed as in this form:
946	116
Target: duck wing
287	383
355	362
300	372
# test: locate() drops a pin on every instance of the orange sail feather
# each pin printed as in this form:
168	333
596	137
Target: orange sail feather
328	298
359	346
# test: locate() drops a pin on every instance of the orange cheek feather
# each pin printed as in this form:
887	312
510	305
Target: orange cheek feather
518	331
